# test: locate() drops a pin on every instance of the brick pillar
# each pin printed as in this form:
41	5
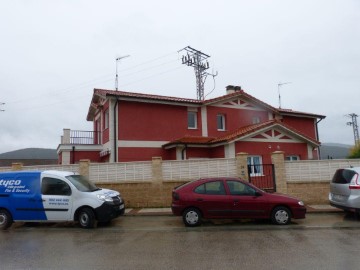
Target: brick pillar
84	167
157	174
277	158
16	166
241	166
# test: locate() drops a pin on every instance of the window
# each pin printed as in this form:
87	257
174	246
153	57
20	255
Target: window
106	119
192	120
53	186
211	188
238	188
256	120
220	118
255	165
292	158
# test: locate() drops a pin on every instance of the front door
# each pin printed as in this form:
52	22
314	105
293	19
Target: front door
57	199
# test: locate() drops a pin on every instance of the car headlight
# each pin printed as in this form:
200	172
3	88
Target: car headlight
104	198
301	203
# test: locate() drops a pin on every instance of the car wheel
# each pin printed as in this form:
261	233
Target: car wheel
192	217
5	219
87	218
281	216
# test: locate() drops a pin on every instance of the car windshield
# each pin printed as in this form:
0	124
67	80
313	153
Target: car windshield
82	183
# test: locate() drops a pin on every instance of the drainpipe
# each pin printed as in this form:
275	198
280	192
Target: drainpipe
73	155
183	152
317	137
115	131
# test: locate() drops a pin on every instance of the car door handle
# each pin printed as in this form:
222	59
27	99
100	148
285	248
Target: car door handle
199	199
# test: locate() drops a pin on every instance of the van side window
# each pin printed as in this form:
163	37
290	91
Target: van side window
53	186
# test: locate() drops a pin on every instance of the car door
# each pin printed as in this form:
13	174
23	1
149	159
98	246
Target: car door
246	202
212	199
56	198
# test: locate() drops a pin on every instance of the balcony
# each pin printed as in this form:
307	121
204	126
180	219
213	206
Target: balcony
80	137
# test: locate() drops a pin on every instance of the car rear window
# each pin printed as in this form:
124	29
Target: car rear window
343	176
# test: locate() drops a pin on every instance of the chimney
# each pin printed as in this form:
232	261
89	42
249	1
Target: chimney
232	89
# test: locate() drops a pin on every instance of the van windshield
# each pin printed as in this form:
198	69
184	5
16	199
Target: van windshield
82	183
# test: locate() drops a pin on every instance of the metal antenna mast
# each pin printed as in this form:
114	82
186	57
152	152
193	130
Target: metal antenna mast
354	124
279	85
117	76
197	59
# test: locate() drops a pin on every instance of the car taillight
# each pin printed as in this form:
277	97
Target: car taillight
176	196
354	183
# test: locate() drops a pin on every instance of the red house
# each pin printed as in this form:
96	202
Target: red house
136	127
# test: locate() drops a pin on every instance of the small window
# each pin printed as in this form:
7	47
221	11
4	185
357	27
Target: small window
211	188
192	120
238	188
255	165
106	119
220	122
54	186
256	120
292	158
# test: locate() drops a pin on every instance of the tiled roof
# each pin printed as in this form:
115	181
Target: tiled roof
241	132
144	96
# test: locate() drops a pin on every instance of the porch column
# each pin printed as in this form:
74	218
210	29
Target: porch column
241	166
277	158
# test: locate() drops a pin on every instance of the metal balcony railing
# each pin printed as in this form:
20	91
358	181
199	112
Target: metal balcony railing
85	137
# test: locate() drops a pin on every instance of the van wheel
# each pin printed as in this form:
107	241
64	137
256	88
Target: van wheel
5	219
87	218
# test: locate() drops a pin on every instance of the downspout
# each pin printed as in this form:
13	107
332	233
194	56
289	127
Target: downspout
115	132
73	155
317	137
183	152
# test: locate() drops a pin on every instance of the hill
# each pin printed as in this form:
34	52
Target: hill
334	150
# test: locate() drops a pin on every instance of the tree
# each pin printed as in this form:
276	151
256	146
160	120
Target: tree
355	151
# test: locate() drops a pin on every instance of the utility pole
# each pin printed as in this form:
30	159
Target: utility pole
354	124
116	77
196	59
279	85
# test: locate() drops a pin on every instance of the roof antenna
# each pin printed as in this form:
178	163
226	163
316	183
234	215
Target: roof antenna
279	85
116	78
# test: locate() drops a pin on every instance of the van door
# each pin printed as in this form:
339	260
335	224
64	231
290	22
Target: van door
57	199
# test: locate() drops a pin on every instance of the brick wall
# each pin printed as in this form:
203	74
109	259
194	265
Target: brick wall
310	192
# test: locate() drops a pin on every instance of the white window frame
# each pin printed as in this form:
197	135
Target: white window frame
256	170
256	120
292	158
194	116
106	119
221	118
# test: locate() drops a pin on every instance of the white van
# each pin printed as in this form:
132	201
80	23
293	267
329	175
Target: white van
55	196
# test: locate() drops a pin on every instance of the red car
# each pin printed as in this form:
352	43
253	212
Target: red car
234	199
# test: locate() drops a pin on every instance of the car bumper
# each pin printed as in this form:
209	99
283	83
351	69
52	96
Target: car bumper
299	213
107	212
177	209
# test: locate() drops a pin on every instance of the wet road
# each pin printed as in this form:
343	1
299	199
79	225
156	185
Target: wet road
322	241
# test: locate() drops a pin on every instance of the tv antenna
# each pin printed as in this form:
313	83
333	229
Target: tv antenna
354	124
196	59
117	76
279	85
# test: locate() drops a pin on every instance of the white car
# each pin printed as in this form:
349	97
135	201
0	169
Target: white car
345	189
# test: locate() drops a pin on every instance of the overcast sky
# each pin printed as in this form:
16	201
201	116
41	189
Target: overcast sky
54	53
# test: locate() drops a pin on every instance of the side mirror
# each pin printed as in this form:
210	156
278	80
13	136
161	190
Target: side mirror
258	194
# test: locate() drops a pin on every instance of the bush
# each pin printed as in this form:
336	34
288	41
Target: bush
355	151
